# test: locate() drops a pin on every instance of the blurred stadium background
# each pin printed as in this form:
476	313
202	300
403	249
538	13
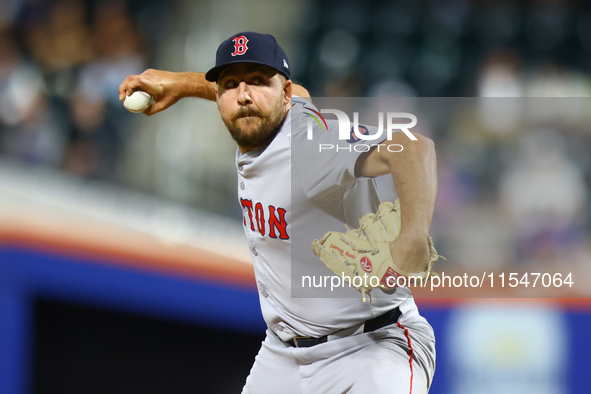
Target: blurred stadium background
123	267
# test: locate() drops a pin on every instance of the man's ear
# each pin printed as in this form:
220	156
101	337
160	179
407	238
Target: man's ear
217	95
287	90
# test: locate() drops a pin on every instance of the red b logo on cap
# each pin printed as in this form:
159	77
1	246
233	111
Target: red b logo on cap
240	47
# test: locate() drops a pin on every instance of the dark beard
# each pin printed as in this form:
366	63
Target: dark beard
265	133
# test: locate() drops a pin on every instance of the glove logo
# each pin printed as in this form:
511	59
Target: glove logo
240	47
366	264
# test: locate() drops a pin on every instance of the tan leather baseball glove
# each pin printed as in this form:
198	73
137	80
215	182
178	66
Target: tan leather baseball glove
363	254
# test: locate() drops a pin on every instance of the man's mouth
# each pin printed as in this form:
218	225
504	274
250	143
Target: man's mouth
246	114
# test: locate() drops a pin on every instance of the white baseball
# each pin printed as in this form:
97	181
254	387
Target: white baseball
137	102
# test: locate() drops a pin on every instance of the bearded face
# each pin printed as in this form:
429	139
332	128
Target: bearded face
253	101
252	128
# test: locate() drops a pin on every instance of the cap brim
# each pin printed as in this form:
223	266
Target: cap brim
213	74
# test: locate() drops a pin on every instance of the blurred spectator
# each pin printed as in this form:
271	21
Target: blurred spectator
94	143
500	75
59	41
61	65
29	129
95	111
119	52
545	196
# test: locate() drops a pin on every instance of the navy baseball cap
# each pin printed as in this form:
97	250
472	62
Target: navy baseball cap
249	47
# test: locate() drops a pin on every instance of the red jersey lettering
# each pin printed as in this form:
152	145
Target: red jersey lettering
247	204
254	213
260	217
278	223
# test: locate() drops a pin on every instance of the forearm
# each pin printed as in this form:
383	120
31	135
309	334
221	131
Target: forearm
167	87
414	172
194	84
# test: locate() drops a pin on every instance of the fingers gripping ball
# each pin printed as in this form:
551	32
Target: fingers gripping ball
138	101
364	253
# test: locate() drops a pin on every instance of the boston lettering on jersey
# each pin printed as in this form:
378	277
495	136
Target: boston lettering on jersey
277	226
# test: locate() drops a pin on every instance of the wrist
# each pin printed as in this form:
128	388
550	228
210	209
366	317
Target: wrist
410	251
413	236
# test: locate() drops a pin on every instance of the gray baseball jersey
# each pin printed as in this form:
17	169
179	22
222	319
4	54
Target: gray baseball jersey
290	196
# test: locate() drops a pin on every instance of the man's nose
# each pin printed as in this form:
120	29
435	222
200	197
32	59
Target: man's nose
244	94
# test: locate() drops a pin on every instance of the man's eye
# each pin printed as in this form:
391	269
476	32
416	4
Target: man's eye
257	81
230	84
